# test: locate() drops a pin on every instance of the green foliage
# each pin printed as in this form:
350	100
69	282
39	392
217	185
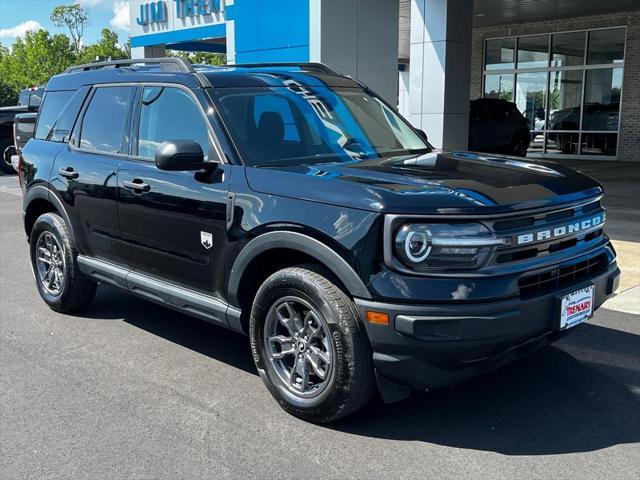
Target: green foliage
206	58
107	47
32	61
74	18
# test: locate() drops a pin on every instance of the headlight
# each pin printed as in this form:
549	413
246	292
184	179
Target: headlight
443	246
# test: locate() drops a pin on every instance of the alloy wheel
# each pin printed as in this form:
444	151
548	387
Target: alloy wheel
298	346
50	263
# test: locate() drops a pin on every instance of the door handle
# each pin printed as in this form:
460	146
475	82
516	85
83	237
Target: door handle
69	173
136	185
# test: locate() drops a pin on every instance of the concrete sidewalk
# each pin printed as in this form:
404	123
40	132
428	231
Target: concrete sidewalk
621	182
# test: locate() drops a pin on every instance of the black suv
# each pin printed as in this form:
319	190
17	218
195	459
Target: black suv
497	126
292	204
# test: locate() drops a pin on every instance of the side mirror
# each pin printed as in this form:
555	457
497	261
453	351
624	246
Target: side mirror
181	155
34	103
423	135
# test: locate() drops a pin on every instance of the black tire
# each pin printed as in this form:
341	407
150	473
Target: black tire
76	290
5	161
349	381
520	146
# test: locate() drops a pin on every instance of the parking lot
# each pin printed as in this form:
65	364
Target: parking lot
132	390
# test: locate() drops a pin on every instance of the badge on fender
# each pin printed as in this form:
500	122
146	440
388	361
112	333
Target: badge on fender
206	239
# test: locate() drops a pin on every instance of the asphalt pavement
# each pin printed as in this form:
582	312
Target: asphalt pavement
132	390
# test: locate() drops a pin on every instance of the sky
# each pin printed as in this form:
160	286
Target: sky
18	16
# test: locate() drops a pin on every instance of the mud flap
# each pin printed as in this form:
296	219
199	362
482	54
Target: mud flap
390	391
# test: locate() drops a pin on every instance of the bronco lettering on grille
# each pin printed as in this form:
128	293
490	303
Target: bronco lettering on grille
561	231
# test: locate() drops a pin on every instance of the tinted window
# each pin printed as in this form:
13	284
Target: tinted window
169	113
500	53
67	117
530	91
602	99
54	102
105	120
302	125
567	49
606	46
275	103
499	86
533	51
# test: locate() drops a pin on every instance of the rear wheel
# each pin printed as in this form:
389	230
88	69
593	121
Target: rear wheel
53	258
309	347
6	150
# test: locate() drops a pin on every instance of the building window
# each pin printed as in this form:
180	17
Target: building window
567	84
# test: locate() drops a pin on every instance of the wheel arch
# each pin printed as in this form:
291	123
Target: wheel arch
39	200
299	249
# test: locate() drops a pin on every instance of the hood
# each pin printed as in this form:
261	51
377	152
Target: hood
432	183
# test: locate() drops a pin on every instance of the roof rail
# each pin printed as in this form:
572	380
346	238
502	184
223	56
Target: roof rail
178	64
304	65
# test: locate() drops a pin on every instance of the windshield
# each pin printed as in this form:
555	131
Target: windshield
298	124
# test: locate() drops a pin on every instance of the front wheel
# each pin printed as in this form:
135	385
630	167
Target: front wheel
309	347
520	146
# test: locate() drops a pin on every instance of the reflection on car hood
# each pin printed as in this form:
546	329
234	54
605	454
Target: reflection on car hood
436	182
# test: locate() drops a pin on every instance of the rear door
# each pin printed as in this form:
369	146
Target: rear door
84	173
172	224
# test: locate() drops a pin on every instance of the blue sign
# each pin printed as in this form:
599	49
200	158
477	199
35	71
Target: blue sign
152	12
156	12
191	8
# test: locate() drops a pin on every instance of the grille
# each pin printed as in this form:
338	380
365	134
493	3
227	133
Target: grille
560	277
512	227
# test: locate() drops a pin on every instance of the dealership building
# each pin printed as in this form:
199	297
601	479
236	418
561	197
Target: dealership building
571	66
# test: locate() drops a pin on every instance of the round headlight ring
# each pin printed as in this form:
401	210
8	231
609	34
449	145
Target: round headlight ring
424	250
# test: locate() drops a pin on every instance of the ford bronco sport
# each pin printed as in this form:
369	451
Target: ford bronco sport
292	204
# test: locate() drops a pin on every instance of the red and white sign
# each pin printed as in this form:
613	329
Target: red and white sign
576	307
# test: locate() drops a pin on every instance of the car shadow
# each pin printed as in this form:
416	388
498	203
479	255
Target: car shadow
548	403
551	402
197	335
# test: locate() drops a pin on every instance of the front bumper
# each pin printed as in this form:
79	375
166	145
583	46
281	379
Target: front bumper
426	346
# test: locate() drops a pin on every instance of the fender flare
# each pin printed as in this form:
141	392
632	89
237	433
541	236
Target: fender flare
40	192
304	244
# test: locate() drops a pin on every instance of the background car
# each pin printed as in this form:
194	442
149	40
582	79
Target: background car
497	126
29	101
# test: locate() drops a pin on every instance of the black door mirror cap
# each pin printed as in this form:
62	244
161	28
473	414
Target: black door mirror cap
423	135
182	155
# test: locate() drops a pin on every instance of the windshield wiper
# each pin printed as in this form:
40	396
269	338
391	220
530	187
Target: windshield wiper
413	151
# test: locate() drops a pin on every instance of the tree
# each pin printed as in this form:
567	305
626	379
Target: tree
33	60
107	47
206	58
74	17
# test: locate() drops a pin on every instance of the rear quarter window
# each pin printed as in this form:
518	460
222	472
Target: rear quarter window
52	106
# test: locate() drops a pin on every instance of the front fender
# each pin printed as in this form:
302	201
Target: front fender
304	244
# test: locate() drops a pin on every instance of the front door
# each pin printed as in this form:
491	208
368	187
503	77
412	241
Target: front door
172	224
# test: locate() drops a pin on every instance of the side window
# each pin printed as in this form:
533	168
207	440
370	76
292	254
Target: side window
169	113
53	104
67	117
105	120
271	104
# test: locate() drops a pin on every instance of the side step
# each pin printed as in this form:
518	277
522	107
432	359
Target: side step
164	293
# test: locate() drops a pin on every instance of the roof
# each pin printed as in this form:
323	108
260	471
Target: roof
178	70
